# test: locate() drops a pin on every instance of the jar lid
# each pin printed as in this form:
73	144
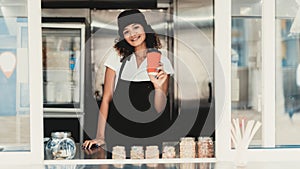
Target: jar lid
187	139
204	138
151	147
138	148
60	134
118	148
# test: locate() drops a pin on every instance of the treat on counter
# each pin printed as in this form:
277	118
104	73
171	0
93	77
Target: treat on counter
187	147
61	154
118	152
152	165
205	147
137	152
187	165
60	146
152	152
118	165
204	165
169	152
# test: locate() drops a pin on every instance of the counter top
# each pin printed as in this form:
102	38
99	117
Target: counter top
217	165
81	153
88	156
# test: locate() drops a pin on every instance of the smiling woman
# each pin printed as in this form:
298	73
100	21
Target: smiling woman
126	113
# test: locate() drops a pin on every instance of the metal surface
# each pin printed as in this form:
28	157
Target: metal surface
194	33
189	27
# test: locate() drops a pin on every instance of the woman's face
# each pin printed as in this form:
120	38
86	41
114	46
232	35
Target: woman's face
135	35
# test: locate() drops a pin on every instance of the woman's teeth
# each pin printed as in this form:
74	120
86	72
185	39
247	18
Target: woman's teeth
134	39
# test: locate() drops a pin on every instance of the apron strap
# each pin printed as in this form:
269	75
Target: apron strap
122	66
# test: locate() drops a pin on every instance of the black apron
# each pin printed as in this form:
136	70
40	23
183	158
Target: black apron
132	118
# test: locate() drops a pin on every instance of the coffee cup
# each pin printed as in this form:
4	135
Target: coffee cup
153	61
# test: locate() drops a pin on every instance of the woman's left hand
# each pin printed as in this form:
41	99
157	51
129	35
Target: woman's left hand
95	153
160	78
160	83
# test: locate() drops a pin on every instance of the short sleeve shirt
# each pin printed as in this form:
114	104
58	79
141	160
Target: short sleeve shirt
133	73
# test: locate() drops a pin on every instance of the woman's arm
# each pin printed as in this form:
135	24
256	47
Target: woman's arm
161	84
109	83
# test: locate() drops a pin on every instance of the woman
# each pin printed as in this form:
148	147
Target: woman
134	107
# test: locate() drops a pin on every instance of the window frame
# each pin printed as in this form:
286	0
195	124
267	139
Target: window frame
35	155
223	107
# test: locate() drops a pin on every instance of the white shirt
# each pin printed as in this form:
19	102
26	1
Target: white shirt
133	73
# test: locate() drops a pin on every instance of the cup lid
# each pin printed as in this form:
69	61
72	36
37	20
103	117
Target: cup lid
153	50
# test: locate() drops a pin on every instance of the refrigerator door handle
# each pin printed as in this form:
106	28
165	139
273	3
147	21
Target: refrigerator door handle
210	92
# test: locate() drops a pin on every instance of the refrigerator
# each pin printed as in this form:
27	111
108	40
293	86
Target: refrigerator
63	77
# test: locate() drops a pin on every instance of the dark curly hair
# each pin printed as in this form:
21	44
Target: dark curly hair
124	49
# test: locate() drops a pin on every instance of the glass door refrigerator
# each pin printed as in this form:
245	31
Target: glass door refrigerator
63	72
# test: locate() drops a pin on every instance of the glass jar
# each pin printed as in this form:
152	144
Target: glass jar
137	152
205	147
168	152
152	152
187	147
118	152
60	146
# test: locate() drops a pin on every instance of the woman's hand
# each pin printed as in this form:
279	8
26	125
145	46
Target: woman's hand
160	83
89	143
161	77
96	153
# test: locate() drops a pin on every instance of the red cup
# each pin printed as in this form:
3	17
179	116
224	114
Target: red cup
153	60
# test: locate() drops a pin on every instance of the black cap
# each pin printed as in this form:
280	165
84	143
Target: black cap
128	17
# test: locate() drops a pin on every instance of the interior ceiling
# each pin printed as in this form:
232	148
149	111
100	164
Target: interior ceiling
100	4
199	11
118	4
143	4
108	18
195	3
103	3
246	1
